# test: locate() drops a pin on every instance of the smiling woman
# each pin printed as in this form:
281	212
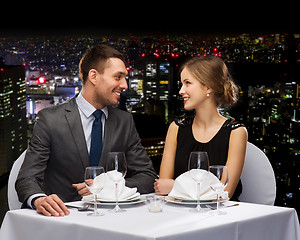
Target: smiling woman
212	73
206	84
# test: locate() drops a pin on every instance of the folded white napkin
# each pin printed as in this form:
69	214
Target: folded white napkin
108	193
185	186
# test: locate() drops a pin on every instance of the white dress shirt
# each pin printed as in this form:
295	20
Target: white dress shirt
87	118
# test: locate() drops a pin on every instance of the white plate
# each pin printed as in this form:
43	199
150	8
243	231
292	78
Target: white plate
134	200
192	202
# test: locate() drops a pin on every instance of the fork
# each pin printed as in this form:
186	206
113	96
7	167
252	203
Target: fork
83	208
214	208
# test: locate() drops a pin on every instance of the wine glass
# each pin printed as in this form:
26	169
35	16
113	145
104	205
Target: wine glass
116	168
221	172
94	180
198	168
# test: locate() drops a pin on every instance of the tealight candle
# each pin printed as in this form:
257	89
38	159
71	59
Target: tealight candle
155	203
155	208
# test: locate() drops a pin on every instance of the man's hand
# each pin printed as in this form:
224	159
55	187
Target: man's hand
51	206
82	189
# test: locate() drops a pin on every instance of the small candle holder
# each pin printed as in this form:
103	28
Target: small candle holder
155	203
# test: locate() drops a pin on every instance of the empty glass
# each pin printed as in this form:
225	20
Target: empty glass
94	181
198	168
221	172
116	169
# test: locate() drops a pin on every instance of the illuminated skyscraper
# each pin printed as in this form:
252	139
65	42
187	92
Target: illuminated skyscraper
13	126
158	79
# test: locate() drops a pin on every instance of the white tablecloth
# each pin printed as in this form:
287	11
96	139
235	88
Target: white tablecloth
243	222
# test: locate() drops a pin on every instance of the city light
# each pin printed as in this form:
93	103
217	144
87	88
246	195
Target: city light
41	80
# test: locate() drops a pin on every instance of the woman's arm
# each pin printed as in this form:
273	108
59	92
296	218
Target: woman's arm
236	157
165	183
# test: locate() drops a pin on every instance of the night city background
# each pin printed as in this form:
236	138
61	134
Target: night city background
39	69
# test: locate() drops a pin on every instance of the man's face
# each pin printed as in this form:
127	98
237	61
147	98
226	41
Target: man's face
111	83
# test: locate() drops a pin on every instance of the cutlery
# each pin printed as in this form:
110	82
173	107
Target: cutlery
81	209
214	208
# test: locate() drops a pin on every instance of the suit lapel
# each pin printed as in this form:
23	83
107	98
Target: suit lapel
73	118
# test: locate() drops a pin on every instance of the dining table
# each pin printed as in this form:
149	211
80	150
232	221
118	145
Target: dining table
243	221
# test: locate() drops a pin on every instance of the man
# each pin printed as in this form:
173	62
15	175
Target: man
63	141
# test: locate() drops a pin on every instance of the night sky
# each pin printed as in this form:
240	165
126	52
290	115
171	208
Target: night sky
146	18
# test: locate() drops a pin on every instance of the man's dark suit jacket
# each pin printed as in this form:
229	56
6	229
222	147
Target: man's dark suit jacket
57	154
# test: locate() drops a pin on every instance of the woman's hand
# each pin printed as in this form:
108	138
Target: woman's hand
163	186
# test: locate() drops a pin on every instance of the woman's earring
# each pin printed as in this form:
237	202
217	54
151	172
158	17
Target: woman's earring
207	95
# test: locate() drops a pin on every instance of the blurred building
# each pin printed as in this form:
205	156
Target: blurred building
13	125
161	84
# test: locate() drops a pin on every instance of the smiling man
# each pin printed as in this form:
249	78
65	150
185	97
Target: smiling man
63	141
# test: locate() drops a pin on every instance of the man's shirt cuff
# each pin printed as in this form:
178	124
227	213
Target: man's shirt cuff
29	200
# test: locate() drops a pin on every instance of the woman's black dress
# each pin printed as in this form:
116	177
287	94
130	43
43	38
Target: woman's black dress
216	148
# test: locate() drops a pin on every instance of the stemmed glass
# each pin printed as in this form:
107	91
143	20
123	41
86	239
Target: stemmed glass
221	172
116	168
94	180
198	168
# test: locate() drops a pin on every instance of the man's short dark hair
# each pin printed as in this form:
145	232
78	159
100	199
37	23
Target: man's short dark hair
96	58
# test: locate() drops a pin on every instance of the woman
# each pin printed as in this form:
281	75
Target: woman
206	84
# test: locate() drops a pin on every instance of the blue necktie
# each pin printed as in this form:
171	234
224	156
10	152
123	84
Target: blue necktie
96	139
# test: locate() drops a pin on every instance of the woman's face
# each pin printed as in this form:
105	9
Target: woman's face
192	91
